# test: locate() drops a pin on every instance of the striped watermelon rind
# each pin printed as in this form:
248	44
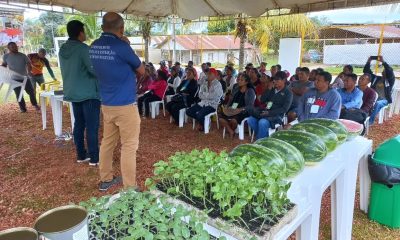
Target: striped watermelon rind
260	153
310	145
337	127
328	136
292	156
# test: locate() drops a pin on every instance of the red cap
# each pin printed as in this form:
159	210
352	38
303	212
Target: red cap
213	71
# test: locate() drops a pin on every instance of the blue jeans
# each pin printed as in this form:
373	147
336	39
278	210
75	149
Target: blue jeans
87	116
260	127
378	106
198	112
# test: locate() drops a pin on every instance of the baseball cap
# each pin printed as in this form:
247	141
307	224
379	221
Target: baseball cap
213	71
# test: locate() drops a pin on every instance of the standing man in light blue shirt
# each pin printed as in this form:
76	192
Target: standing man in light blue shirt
350	94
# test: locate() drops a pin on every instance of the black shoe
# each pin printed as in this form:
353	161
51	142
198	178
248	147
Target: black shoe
104	186
37	108
23	110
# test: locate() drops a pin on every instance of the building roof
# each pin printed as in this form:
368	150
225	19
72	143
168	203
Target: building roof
374	31
206	42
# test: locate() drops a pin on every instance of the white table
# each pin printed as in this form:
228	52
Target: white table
338	170
56	102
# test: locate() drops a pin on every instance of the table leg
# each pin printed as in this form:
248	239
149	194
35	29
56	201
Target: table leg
365	183
43	110
338	206
315	196
71	112
56	107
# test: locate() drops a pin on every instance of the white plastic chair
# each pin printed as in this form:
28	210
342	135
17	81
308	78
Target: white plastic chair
6	77
239	129
207	121
155	108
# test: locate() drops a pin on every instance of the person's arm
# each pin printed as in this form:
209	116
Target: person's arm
388	72
355	102
300	108
265	96
367	67
28	64
87	62
47	64
334	109
177	82
249	98
4	63
370	101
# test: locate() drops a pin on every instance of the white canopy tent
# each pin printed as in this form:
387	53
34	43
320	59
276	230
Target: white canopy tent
193	9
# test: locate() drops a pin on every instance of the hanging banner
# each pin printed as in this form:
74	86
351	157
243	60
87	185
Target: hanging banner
11	26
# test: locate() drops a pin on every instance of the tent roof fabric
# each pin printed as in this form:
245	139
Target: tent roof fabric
193	9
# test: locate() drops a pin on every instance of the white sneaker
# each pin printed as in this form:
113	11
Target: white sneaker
87	159
93	164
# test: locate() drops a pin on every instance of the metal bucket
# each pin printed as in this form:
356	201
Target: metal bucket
63	223
20	233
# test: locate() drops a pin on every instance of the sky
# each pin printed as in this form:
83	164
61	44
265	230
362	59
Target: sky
388	13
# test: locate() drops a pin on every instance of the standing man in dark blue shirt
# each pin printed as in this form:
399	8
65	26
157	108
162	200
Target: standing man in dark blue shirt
116	65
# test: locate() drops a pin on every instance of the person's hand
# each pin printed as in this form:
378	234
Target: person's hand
125	39
264	113
380	59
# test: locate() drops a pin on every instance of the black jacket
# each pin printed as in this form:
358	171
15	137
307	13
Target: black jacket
191	90
389	79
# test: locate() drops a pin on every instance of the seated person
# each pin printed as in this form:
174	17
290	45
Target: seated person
173	81
313	75
254	76
321	101
338	83
299	88
229	78
236	109
383	85
295	77
369	94
143	83
210	95
277	101
222	81
155	93
351	96
265	84
185	94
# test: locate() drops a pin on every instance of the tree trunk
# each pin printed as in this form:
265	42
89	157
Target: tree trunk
146	50
241	53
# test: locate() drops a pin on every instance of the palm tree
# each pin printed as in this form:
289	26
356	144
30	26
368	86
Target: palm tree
265	31
145	28
242	32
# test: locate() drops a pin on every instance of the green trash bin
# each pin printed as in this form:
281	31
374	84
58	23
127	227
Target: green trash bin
384	168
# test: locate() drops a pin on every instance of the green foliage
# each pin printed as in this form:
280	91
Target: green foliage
232	185
91	22
49	22
223	26
136	215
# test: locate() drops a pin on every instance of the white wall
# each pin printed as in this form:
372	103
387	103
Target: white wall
289	53
358	54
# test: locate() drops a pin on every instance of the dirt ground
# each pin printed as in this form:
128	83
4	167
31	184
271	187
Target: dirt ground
38	173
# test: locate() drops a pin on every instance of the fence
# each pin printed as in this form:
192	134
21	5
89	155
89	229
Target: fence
353	44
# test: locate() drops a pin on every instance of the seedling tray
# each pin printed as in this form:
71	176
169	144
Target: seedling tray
232	230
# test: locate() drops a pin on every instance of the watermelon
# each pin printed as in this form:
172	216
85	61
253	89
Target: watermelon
293	158
354	129
328	136
333	125
310	145
258	152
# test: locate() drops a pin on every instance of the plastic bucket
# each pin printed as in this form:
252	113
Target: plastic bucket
20	233
63	223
